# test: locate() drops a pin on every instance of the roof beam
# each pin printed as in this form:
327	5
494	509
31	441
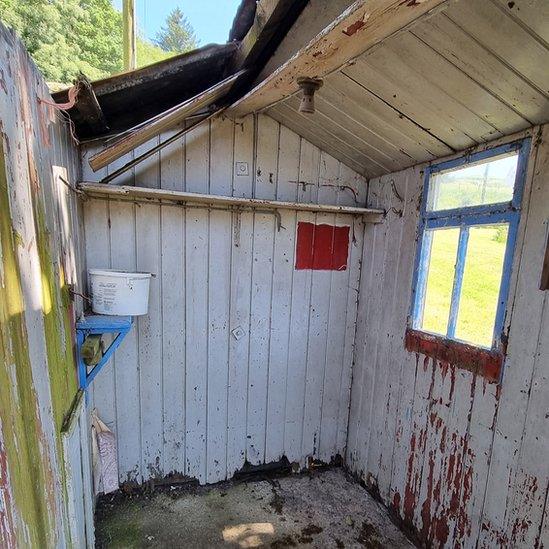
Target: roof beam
363	25
161	123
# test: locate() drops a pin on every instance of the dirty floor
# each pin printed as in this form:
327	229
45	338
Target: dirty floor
323	509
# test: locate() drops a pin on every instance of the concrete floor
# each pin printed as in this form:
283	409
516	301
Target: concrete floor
322	509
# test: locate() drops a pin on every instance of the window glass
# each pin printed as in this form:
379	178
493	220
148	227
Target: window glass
481	284
440	278
486	182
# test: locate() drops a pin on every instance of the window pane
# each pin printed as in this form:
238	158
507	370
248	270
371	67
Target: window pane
440	279
486	182
481	284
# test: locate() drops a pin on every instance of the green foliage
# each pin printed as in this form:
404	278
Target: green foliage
178	34
148	53
481	282
66	37
500	234
471	192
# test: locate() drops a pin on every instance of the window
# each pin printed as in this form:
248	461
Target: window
468	226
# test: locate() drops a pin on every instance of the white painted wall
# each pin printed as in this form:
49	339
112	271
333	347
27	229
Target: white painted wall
183	394
461	460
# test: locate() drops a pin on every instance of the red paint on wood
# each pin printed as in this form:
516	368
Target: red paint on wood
322	247
7	527
484	362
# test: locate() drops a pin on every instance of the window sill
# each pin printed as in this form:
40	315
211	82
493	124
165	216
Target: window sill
484	362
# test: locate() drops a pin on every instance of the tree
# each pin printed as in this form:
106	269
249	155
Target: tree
178	34
66	37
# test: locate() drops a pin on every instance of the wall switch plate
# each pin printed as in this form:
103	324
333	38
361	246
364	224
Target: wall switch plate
238	332
242	168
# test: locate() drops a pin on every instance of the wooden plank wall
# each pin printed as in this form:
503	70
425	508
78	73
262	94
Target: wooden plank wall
40	255
184	393
79	485
456	458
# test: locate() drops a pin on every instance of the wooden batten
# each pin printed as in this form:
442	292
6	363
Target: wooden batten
363	25
370	215
162	123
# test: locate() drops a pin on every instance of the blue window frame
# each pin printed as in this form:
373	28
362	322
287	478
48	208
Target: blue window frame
438	213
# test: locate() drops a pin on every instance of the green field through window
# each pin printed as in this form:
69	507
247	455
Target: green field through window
481	282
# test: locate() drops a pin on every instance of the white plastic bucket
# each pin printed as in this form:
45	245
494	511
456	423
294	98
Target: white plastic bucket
119	292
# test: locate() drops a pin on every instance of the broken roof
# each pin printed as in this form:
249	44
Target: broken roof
130	98
123	101
404	82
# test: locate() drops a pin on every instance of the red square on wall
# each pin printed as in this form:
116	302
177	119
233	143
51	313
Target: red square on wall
322	247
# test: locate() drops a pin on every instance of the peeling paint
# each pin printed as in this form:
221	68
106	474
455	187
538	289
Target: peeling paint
484	362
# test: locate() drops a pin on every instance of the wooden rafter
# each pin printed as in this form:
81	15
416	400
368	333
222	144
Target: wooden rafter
162	123
363	25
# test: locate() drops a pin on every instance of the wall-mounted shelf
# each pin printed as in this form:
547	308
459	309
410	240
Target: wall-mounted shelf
143	194
99	325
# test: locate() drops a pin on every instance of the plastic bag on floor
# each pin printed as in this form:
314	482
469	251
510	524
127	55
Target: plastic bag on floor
104	457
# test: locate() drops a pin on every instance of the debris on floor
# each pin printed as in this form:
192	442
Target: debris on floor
322	509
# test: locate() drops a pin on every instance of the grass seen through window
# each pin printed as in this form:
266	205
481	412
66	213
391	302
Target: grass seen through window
481	283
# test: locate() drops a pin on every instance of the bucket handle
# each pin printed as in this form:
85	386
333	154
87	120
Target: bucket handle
129	279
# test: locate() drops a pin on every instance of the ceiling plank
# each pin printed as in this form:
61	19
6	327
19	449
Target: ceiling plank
363	25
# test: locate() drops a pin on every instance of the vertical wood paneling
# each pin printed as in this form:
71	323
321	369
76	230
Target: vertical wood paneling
196	342
319	310
281	298
234	358
197	157
260	335
219	291
288	165
453	455
173	337
149	327
40	241
244	137
297	357
239	340
125	363
266	168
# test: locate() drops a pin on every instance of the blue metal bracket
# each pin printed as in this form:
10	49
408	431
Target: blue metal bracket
99	325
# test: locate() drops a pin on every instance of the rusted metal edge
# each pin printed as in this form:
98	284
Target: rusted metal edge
370	215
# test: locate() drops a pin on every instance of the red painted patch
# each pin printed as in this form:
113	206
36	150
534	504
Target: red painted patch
480	361
322	247
356	26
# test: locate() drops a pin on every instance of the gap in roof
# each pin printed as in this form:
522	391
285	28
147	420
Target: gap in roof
210	19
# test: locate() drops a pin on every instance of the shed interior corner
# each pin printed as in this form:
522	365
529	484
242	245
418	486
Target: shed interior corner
347	335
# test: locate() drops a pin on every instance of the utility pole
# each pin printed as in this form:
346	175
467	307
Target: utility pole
128	12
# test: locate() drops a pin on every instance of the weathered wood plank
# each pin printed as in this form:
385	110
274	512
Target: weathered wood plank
361	26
